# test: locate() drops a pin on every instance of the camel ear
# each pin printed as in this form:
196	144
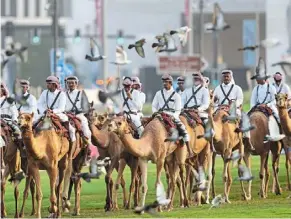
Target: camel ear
32	114
92	104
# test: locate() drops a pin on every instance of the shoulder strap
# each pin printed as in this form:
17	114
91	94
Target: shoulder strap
3	102
193	96
55	100
26	98
226	95
166	101
75	102
280	89
267	93
125	100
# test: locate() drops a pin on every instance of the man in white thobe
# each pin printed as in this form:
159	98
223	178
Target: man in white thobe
137	86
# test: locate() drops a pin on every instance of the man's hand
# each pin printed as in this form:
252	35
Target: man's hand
262	105
129	95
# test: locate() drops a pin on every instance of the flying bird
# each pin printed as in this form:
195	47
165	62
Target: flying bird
261	70
281	63
252	48
121	57
218	22
17	178
216	201
94	57
16	51
162	42
161	200
208	134
182	34
245	123
267	43
202	182
138	45
170	44
244	173
103	96
232	112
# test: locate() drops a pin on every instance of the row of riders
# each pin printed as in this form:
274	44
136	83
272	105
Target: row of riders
167	102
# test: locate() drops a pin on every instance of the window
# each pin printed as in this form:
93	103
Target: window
3	8
13	8
25	8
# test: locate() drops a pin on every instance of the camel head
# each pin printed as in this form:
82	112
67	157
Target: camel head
282	100
101	119
122	126
25	120
91	115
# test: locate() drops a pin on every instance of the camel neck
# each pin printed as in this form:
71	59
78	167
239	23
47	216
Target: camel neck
99	137
285	120
137	147
30	144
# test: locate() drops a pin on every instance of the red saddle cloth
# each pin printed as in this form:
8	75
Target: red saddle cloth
264	109
167	120
192	117
76	122
56	123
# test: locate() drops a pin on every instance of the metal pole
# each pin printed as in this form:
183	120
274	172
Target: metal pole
55	41
191	40
215	55
201	29
104	38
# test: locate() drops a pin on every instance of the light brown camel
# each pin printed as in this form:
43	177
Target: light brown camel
225	140
13	163
282	101
260	122
150	146
47	150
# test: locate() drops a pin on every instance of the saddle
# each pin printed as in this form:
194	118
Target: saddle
75	122
145	121
56	123
267	111
167	120
192	117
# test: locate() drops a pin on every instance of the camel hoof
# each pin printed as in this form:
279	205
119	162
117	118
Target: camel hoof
52	215
207	202
66	210
16	216
76	214
182	206
227	201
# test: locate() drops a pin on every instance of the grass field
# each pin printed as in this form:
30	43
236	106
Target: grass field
93	199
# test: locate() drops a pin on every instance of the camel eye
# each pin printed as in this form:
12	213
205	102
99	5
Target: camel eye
119	123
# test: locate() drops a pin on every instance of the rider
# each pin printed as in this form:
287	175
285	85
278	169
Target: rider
8	111
228	91
131	103
53	100
31	103
73	105
280	86
137	86
181	82
197	97
169	102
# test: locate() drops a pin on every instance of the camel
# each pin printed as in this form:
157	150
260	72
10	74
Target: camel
47	150
258	119
14	163
225	140
282	101
109	145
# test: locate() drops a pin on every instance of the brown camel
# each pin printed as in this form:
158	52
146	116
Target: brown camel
258	119
282	101
76	159
47	150
225	141
109	145
13	163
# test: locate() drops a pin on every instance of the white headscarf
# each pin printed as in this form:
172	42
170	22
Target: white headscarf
231	73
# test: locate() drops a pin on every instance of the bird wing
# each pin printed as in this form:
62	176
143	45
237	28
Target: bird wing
216	200
93	168
85	104
140	51
232	109
261	69
92	47
202	176
170	41
161	195
120	54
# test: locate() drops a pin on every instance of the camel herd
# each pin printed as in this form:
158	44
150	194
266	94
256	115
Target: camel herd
51	151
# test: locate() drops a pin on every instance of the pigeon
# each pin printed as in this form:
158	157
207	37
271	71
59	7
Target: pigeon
16	51
209	131
103	163
245	123
235	156
93	174
218	22
216	201
281	63
17	95
252	48
17	178
232	112
245	174
174	136
161	201
103	95
182	34
202	182
261	70
138	47
170	44
93	57
274	138
162	43
121	57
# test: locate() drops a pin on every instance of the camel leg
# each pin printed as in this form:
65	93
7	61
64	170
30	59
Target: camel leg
133	168
181	191
188	181
213	175
77	186
25	194
109	185
63	164
182	177
35	174
288	164
174	175
137	186
247	160
3	186
166	168
122	183
225	179
67	181
159	168
52	173
210	172
229	180
264	161
121	168
275	166
32	192
267	173
143	164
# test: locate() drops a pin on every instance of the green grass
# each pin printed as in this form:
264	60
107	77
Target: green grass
93	198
